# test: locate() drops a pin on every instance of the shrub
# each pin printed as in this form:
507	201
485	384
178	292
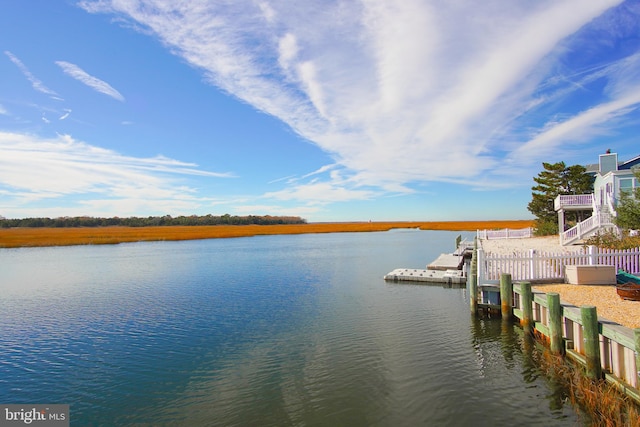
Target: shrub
545	228
612	240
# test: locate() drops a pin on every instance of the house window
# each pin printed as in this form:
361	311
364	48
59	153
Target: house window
628	184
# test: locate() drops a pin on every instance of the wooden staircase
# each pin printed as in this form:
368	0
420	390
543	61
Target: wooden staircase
601	221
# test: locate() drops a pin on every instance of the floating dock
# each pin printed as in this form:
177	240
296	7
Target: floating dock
434	276
447	262
447	268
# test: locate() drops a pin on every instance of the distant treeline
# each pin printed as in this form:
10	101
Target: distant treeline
85	221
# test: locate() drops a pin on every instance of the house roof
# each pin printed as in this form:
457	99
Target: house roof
629	163
594	168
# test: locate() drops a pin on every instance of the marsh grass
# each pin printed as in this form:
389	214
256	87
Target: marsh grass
31	237
600	402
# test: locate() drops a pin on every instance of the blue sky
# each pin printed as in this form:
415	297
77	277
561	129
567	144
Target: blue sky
328	110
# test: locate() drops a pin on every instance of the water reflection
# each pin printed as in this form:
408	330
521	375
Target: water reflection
277	330
519	353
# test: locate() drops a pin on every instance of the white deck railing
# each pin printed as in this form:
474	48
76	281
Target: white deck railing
505	233
573	200
545	266
586	228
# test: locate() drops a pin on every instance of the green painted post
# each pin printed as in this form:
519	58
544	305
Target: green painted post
473	294
474	265
527	307
555	322
506	296
473	283
636	336
591	341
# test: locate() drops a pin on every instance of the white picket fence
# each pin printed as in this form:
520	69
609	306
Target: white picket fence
539	266
505	233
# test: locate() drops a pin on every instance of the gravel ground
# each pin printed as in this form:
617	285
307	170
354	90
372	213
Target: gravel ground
604	297
541	244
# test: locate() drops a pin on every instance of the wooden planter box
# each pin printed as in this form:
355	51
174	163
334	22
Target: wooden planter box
590	274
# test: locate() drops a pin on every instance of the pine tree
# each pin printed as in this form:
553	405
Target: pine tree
549	184
554	180
577	181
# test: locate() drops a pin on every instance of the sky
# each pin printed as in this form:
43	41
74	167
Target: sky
331	110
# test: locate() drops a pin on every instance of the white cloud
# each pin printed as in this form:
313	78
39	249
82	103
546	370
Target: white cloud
65	115
579	127
267	11
274	209
34	169
287	49
321	193
3	111
94	83
402	92
35	82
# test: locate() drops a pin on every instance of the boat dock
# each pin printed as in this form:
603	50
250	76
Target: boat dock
447	268
457	277
447	262
605	349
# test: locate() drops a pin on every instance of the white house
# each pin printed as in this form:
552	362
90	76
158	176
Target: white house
611	177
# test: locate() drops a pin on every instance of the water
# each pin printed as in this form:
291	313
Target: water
262	331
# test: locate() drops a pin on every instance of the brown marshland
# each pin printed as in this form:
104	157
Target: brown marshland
29	237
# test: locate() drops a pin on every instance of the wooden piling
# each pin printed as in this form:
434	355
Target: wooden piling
473	294
555	322
506	296
473	281
636	337
591	341
527	308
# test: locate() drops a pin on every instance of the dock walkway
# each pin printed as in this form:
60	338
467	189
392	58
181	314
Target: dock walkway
447	268
447	262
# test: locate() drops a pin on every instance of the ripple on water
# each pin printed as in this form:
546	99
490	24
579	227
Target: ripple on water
289	330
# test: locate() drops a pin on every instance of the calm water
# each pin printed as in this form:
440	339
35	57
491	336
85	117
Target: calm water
263	331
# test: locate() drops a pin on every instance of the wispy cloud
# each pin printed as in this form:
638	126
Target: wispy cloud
3	110
411	91
65	115
94	83
274	209
33	169
35	82
321	193
579	127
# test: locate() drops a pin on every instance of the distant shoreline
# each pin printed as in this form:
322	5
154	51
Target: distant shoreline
40	237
